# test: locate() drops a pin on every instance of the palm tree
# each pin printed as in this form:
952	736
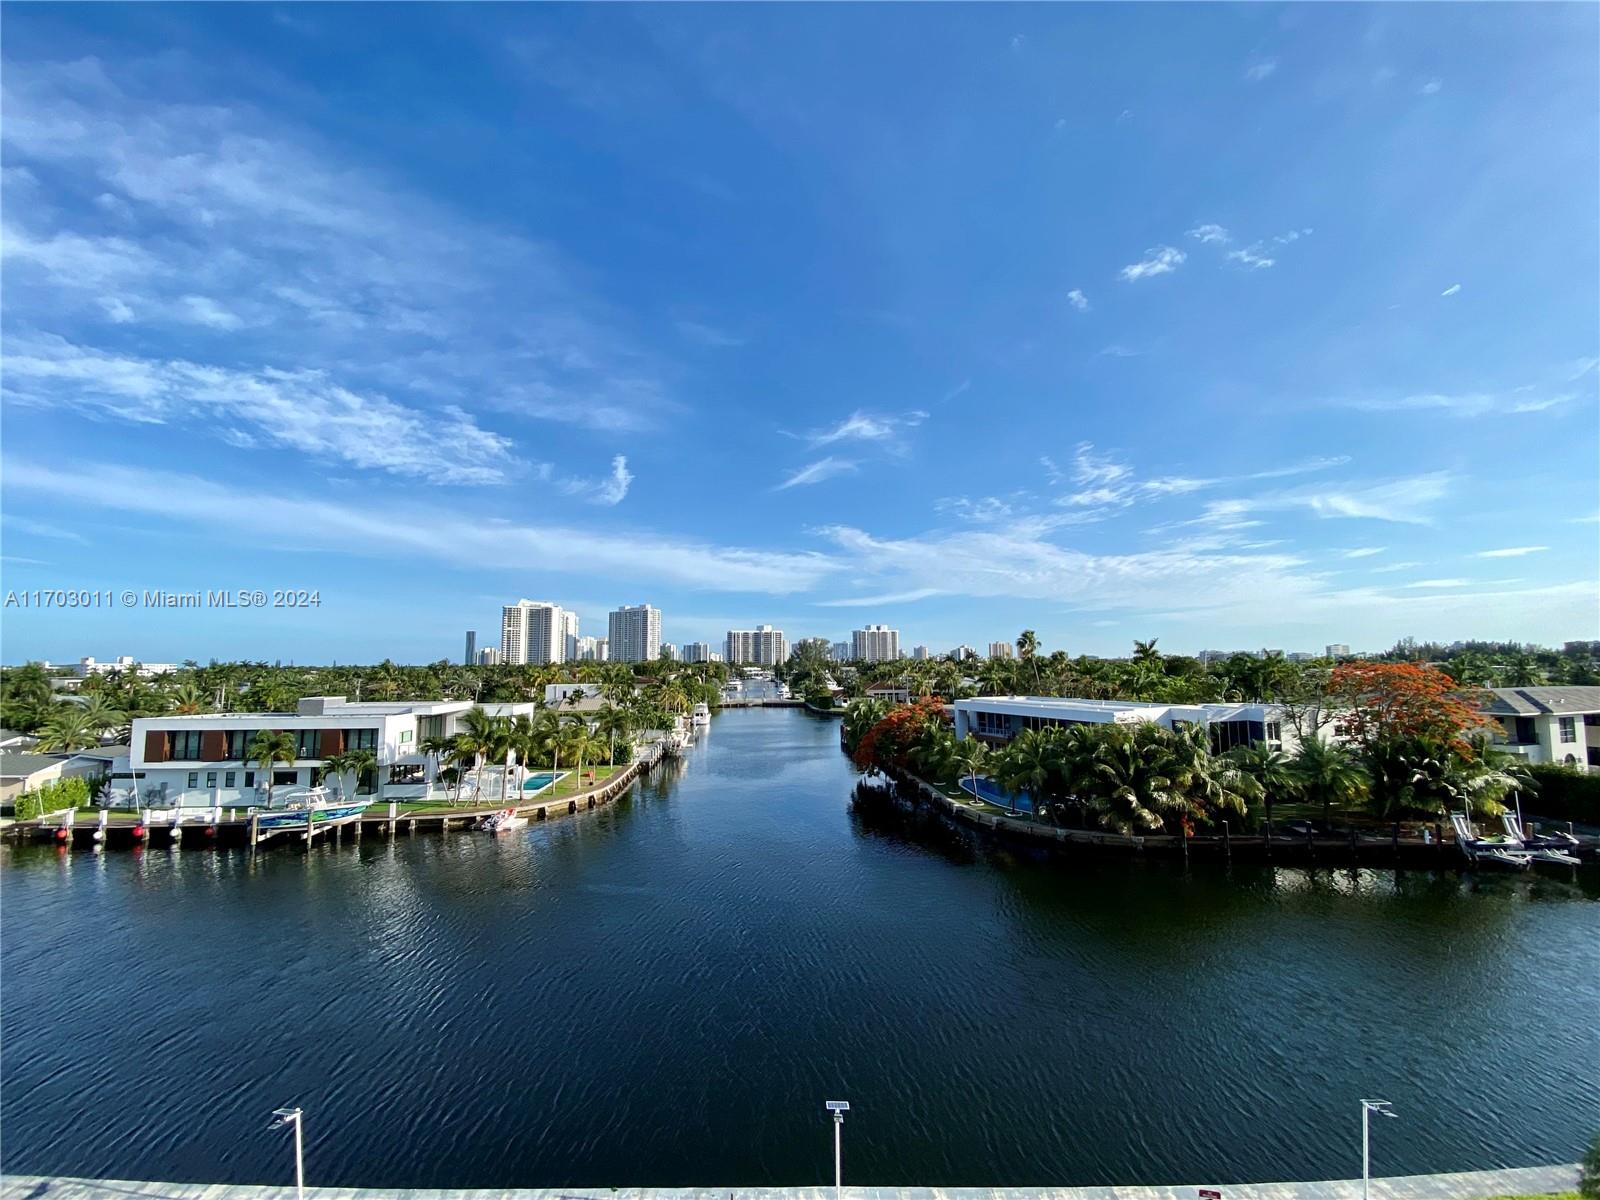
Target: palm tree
103	716
970	756
1027	651
435	747
189	699
485	738
1328	774
1124	781
1208	784
1273	771
611	721
268	748
1029	763
550	731
69	727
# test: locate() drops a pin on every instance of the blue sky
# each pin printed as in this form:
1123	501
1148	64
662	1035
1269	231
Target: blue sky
1236	326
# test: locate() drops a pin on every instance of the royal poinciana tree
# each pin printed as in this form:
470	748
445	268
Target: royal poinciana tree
890	741
1387	702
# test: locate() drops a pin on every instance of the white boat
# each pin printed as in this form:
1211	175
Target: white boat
783	691
290	808
701	716
503	821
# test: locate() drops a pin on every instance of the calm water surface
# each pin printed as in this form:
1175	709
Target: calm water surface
664	992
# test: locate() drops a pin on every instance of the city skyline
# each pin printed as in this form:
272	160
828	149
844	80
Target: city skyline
1259	326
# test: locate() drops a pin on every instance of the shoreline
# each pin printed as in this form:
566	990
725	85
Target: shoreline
1457	1185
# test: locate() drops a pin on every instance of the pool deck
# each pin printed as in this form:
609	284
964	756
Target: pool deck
1468	1185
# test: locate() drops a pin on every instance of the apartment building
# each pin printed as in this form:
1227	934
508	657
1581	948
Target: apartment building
635	633
532	631
1001	649
875	643
763	646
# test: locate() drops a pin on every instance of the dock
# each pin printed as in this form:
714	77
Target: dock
239	827
1462	1185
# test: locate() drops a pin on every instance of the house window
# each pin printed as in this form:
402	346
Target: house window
405	736
249	779
1526	735
308	743
1591	719
211	780
228	777
186	744
1274	731
408	773
239	743
194	779
1569	728
363	739
283	777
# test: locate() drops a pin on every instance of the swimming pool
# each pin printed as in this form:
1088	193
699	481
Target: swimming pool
991	791
537	781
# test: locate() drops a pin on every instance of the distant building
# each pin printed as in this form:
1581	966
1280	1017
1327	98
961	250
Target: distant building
1301	656
584	649
921	654
840	652
668	651
86	667
697	652
489	656
963	653
875	643
1338	650
471	655
1000	649
763	646
635	633
602	649
569	635
532	631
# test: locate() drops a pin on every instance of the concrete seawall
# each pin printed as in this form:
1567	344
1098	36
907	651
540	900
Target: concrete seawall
1466	1185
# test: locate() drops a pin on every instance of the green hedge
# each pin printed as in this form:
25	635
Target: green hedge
52	797
1564	794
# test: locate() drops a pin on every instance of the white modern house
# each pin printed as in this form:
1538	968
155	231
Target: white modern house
998	719
204	760
1547	724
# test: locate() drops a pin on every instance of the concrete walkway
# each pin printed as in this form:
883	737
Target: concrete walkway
1468	1185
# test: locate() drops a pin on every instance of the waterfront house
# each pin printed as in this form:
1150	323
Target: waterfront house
1547	724
203	760
894	693
21	771
997	719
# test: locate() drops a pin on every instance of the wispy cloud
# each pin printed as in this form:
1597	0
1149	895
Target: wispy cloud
861	426
874	601
1451	290
1511	551
408	532
608	491
41	528
1390	568
1159	260
1252	256
1078	300
1364	551
1405	501
1260	69
1210	233
302	410
1430	87
1557	391
1440	583
817	472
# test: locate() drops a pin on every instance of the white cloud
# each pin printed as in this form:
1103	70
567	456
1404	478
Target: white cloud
1430	87
394	528
862	426
1440	583
608	491
1406	501
1511	551
1364	551
1210	233
817	472
1078	300
1252	256
875	601
1260	69
981	511
41	528
1451	290
1157	261
1118	350
1390	568
301	410
1556	391
203	310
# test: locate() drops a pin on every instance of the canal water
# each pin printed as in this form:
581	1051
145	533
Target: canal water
667	990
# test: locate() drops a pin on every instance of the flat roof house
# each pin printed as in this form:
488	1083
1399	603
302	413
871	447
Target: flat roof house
1547	724
998	719
203	760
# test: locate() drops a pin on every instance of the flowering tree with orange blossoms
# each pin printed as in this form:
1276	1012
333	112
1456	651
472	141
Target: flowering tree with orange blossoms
889	742
1382	703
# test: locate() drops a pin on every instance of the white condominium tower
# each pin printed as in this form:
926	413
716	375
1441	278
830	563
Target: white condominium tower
534	632
635	633
875	643
763	645
697	652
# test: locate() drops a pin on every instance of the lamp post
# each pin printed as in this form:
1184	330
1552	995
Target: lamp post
1368	1107
838	1108
291	1116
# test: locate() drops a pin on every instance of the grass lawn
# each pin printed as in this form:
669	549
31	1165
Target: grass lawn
571	784
1541	1196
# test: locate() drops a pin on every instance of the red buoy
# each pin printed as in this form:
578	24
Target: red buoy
138	832
61	835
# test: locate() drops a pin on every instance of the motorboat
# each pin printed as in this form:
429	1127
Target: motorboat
700	716
503	821
1502	851
292	809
